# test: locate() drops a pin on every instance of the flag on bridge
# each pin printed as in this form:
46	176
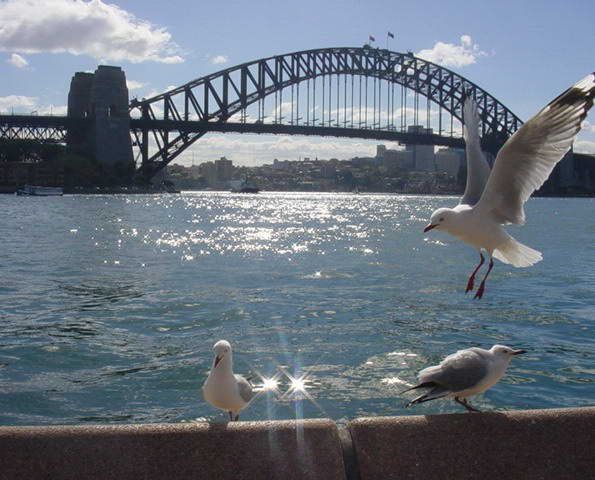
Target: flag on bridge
391	34
372	39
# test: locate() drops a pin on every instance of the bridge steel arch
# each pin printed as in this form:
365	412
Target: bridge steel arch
207	103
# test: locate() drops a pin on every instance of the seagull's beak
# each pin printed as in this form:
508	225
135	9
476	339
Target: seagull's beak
217	360
518	352
429	227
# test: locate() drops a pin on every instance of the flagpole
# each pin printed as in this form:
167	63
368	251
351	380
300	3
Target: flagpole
389	34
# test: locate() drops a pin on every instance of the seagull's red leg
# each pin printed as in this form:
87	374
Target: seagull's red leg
471	280
482	285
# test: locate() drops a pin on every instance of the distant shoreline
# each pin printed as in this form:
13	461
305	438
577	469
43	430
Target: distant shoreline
160	192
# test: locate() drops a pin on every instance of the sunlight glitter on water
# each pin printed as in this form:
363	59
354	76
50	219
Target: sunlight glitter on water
341	287
259	225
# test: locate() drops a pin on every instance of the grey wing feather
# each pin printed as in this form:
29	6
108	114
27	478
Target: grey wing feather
478	169
245	388
459	371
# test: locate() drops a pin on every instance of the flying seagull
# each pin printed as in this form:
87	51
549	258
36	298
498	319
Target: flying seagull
523	164
222	388
463	374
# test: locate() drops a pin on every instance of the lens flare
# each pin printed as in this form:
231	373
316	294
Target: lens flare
298	385
269	384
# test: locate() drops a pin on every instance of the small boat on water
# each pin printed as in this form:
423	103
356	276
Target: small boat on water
38	191
245	187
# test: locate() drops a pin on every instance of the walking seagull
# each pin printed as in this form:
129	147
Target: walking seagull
523	164
222	388
463	374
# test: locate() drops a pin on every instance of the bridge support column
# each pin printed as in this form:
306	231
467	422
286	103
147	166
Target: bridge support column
102	97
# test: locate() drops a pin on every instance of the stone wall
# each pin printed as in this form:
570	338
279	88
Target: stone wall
537	444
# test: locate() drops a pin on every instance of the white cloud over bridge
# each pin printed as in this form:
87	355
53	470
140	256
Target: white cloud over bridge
103	31
452	55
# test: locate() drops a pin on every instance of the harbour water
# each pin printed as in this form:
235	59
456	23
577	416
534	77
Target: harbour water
109	305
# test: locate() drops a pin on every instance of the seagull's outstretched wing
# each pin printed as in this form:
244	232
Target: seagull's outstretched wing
528	157
478	170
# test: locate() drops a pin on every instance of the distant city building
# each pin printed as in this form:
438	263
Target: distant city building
449	160
280	165
395	160
224	168
328	170
423	155
362	161
208	170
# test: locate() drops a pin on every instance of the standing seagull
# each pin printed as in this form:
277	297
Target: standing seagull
464	373
222	388
522	165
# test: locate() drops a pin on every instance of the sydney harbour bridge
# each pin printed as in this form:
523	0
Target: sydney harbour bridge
348	92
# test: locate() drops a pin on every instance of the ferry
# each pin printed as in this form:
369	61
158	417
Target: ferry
245	187
37	191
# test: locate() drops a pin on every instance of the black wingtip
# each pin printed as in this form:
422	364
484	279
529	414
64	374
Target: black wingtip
421	385
579	92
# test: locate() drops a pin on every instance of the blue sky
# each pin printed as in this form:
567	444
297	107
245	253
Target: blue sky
523	52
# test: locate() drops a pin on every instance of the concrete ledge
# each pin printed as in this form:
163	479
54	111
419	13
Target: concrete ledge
285	450
533	444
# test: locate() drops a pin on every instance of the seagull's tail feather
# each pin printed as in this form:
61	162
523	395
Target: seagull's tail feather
436	392
517	254
420	385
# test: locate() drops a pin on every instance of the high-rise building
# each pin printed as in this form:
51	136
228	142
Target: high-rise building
423	155
448	160
209	171
224	168
398	160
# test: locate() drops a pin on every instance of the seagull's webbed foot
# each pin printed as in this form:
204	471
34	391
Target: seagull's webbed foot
482	285
480	290
471	280
466	404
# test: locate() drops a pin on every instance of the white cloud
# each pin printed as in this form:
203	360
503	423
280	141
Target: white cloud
103	31
219	59
588	126
258	149
52	110
17	61
23	104
451	55
584	146
134	85
18	103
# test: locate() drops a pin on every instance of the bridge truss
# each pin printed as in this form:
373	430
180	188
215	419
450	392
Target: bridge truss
43	128
350	92
343	92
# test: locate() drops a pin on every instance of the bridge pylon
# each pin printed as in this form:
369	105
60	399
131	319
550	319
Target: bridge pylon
101	98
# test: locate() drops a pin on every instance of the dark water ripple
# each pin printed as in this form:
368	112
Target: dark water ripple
109	305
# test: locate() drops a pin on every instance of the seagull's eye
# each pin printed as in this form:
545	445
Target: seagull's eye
441	219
